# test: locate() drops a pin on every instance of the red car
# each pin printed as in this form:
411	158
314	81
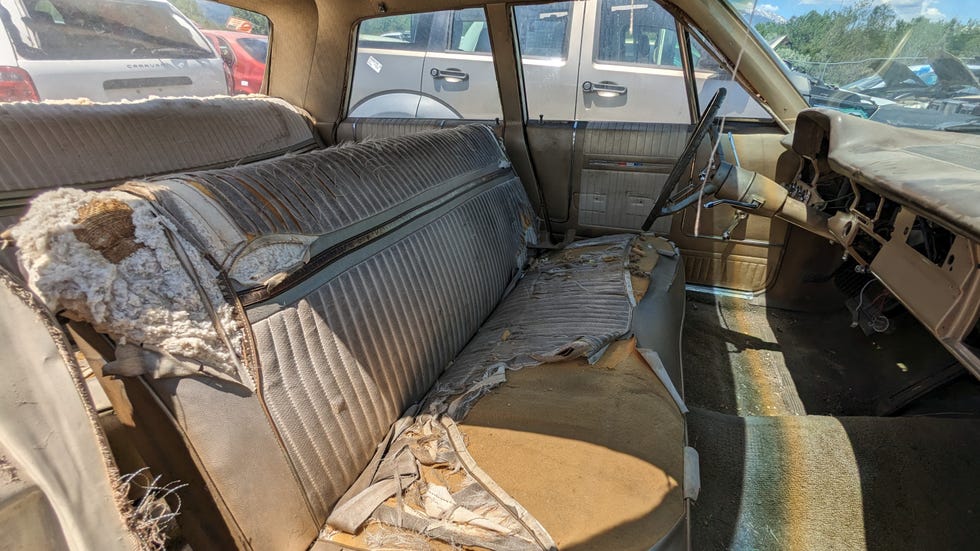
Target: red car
245	56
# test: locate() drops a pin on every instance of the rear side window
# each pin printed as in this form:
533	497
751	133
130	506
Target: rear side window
128	49
434	65
397	32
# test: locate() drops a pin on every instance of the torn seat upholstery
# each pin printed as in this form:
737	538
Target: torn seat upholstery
322	326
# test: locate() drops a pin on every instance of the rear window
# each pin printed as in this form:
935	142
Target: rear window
258	48
114	50
114	29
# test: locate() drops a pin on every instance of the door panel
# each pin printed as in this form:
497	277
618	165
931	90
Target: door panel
621	169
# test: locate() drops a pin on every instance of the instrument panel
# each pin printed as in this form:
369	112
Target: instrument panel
933	271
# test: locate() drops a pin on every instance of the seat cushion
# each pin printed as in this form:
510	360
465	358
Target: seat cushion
540	430
594	452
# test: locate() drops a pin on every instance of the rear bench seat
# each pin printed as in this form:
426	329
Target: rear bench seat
341	336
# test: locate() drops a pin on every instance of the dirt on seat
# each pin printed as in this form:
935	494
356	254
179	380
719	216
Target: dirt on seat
594	452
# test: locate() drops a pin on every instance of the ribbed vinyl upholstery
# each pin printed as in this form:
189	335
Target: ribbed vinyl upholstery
342	357
325	190
342	364
576	298
618	197
413	244
50	145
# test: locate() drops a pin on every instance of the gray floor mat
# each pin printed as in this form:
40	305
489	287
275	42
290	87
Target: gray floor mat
815	482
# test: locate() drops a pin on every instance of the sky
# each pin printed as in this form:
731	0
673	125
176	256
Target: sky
906	9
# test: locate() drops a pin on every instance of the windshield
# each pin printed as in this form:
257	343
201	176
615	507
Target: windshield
911	63
100	29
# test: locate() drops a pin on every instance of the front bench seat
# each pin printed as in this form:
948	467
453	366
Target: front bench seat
342	287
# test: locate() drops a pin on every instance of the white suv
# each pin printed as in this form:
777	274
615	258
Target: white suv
103	50
581	61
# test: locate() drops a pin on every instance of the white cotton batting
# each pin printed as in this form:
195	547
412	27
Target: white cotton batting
146	298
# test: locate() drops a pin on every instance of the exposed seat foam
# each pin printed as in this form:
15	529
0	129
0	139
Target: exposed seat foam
54	144
397	279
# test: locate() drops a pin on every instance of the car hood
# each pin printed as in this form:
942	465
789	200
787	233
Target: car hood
950	71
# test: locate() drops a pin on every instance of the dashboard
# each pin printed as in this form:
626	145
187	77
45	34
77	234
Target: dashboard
906	206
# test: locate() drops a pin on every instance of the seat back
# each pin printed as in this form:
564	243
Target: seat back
362	271
80	144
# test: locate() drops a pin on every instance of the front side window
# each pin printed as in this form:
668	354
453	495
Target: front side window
710	74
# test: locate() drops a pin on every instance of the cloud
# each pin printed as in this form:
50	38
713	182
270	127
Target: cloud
910	9
772	8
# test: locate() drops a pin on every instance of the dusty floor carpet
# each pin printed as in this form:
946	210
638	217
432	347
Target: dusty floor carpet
816	482
749	360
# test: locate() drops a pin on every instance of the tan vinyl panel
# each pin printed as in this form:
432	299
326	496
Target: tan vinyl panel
50	429
241	457
750	260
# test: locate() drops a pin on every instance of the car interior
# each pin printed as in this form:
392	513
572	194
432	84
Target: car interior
255	322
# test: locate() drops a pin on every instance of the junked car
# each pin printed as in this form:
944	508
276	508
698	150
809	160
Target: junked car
569	275
244	54
103	51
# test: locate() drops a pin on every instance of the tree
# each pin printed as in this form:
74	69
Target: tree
840	46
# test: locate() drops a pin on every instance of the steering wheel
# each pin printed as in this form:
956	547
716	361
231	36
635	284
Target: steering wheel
666	204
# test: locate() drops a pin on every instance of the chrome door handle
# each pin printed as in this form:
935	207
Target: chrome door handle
603	89
451	75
